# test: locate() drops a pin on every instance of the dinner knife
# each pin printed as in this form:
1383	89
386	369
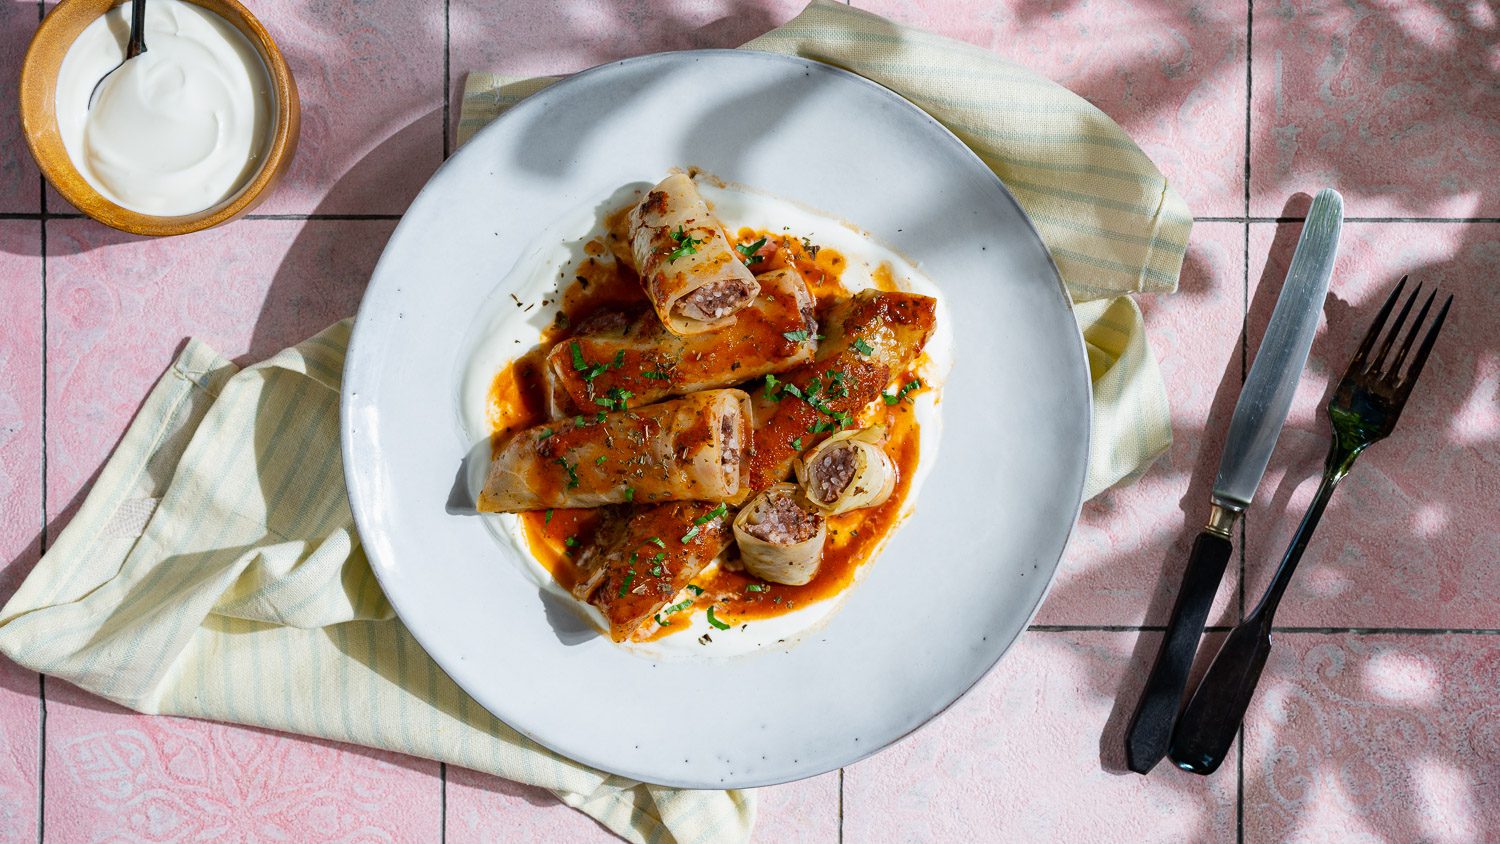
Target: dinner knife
1258	417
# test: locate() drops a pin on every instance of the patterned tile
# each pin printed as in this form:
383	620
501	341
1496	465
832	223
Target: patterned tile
486	808
120	308
20	401
1393	103
1171	73
1131	545
1374	738
1033	753
114	775
552	37
805	812
19	177
1410	538
370	80
21	516
482	807
370	75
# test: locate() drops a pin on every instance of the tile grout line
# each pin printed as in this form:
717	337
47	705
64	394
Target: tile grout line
447	76
41	679
43	538
1239	785
1289	629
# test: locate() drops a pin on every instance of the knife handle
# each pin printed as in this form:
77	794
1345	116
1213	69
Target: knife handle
1150	731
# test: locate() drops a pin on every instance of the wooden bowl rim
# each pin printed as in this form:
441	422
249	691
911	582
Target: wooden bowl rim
76	189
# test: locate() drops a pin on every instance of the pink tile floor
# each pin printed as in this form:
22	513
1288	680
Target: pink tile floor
1377	718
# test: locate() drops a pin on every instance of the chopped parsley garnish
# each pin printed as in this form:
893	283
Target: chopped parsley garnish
687	245
797	336
572	471
546	432
820	427
679	606
656	540
862	347
599	461
630	493
692	532
662	621
617	399
714	621
712	514
748	250
571	541
797	443
695	589
589	371
792	390
657	376
756	587
901	394
771	383
629	576
547	520
599	417
579	421
660	555
656	571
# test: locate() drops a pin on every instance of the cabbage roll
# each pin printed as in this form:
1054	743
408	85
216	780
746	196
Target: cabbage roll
689	449
693	277
643	557
872	337
617	351
848	471
781	536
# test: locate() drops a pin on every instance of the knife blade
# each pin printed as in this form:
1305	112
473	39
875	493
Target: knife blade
1258	417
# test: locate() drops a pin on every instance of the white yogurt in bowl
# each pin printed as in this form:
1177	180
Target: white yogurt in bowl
178	129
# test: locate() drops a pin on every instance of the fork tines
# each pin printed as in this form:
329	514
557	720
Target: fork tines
1392	374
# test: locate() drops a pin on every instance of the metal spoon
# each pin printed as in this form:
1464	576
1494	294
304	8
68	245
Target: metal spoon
133	47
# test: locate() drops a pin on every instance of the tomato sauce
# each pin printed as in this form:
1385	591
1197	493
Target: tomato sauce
517	401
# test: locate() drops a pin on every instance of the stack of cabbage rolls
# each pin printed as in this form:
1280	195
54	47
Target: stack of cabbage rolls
649	418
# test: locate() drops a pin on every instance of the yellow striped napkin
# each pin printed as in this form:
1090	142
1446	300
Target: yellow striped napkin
214	571
1113	224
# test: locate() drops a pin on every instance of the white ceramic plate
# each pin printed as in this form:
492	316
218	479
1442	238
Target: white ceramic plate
960	578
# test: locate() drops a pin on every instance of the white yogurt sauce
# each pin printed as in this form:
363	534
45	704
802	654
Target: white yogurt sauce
177	129
502	331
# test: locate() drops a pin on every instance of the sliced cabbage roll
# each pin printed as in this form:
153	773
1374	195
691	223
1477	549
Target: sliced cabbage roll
781	536
689	449
693	277
848	471
617	351
642	557
872	337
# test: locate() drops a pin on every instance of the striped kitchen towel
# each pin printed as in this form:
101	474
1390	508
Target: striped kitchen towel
214	570
1113	224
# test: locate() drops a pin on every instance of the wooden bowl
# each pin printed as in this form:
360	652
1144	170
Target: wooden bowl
44	58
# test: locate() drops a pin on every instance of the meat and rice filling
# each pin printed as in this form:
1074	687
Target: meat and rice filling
782	522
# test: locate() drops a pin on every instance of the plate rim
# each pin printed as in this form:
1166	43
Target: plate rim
540	99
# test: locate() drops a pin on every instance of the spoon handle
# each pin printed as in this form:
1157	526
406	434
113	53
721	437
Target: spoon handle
137	43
